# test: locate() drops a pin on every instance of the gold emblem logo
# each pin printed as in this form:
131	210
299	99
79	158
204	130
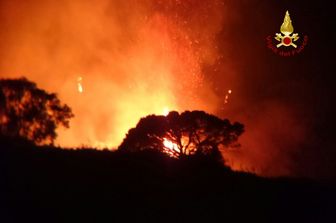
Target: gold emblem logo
286	37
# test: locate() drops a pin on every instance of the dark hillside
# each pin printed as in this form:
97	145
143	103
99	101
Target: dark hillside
48	184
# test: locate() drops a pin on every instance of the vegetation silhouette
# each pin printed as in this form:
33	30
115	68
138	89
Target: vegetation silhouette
48	184
191	133
30	112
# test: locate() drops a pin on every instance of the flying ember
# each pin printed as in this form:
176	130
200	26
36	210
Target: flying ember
226	100
79	85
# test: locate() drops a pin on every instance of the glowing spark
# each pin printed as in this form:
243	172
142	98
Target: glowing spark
165	111
79	85
226	100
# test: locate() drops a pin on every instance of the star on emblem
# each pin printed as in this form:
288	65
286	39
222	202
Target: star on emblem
286	37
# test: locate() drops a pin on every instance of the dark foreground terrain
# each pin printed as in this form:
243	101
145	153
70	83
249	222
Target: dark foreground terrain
52	185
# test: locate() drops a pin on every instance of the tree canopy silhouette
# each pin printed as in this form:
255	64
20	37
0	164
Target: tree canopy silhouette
29	112
188	133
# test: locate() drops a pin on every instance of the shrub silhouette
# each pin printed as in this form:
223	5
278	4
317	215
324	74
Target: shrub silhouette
180	135
29	112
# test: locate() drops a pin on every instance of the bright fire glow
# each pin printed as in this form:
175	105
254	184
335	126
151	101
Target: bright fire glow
165	111
79	85
171	148
169	144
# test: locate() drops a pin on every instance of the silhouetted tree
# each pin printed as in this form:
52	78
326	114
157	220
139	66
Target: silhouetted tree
29	112
188	133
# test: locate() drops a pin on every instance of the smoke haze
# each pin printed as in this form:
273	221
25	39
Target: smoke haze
134	57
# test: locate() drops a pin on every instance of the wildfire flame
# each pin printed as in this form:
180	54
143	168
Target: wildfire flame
170	147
